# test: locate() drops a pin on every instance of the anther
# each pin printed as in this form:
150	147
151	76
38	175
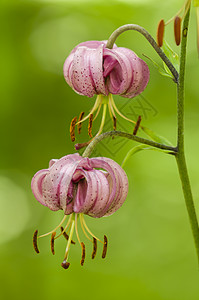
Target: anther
94	248
79	146
160	33
177	30
65	264
114	122
90	124
35	241
83	254
79	125
137	125
72	129
66	235
52	243
105	247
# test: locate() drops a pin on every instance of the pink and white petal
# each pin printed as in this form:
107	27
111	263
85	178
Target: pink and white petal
140	73
102	195
122	184
87	192
36	185
121	74
99	162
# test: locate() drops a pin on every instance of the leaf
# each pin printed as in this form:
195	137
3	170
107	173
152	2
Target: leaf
157	138
139	148
172	56
159	68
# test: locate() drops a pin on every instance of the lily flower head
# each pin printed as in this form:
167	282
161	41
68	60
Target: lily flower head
79	186
92	69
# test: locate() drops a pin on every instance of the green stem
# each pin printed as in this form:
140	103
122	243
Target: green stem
129	136
180	156
149	38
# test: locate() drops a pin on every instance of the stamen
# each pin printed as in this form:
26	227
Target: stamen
94	248
105	247
90	123
66	235
79	146
79	124
103	119
65	264
83	254
35	241
160	33
114	122
96	105
177	30
68	223
98	110
52	243
116	109
137	125
84	225
46	234
72	129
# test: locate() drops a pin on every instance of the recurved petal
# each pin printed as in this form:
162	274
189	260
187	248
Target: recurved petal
99	162
118	69
86	71
122	191
103	192
140	73
36	185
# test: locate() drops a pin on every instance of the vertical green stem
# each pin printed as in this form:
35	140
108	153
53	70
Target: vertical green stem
180	157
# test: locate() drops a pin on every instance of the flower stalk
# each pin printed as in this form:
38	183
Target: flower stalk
180	156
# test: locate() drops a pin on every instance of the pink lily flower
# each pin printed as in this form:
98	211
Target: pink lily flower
93	186
91	69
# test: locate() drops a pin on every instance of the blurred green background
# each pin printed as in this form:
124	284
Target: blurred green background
151	253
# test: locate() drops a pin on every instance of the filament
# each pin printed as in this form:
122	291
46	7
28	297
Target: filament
68	223
66	235
69	240
90	124
88	230
97	102
116	109
98	110
103	119
46	234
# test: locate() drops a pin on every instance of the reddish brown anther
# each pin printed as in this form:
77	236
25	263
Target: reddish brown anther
105	247
66	235
83	254
137	125
114	122
90	124
72	129
177	30
160	33
52	243
35	241
94	248
79	125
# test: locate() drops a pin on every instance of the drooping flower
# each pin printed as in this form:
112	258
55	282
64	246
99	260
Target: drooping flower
80	186
92	69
